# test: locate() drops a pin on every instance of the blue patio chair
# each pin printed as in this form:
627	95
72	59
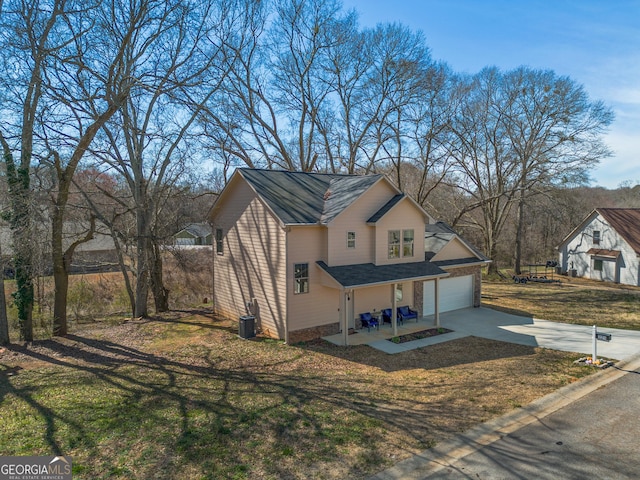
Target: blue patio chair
405	313
368	321
386	316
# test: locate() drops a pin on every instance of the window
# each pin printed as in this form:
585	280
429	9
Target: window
394	243
399	292
219	241
597	265
301	278
351	239
407	243
596	237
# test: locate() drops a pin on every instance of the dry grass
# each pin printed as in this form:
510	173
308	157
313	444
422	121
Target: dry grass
574	300
181	396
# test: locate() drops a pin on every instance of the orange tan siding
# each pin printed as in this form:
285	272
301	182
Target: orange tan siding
403	216
251	269
307	244
354	219
453	250
380	297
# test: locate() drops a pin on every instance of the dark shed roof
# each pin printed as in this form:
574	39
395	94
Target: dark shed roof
385	208
370	274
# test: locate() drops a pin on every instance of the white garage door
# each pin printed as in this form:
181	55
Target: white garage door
455	293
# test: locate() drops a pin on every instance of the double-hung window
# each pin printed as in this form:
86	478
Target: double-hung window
219	249
301	278
407	243
401	243
596	237
394	243
351	239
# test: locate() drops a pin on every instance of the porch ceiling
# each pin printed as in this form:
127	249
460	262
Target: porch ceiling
368	274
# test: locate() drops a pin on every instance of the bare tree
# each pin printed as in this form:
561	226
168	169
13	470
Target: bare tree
29	38
147	143
484	167
555	133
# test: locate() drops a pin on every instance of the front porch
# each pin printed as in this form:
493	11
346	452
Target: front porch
363	337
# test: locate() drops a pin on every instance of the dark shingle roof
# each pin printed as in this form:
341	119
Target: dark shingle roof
307	198
385	208
370	274
625	221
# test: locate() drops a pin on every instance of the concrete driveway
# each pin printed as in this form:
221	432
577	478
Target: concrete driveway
488	323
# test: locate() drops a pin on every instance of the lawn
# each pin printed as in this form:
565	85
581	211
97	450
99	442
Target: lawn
182	396
573	300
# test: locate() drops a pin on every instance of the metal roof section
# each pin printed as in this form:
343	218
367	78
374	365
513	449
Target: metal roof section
368	274
307	198
625	221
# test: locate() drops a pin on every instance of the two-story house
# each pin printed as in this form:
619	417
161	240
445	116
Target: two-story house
605	246
305	253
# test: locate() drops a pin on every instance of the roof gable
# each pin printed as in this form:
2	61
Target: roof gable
625	221
440	237
197	230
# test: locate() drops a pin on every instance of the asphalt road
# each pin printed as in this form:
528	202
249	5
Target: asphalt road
595	437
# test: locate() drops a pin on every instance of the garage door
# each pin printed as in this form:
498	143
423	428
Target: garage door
455	293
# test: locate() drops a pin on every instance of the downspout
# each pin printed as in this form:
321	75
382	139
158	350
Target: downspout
436	292
289	288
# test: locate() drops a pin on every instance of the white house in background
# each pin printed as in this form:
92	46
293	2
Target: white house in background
194	234
605	246
305	253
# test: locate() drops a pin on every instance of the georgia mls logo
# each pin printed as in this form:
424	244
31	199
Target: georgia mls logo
35	468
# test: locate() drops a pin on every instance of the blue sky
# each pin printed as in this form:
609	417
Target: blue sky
595	42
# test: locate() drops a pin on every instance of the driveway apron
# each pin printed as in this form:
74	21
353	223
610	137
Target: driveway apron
495	325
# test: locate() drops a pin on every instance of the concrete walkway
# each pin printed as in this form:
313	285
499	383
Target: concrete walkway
495	325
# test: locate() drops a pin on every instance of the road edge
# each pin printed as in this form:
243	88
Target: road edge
444	454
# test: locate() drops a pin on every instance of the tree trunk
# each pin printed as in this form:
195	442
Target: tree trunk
160	293
61	281
24	296
517	260
18	181
60	275
4	321
142	265
490	248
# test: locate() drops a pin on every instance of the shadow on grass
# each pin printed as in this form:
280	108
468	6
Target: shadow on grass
463	351
228	422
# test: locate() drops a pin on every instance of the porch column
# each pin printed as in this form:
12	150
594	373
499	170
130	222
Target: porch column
394	309
344	318
436	293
